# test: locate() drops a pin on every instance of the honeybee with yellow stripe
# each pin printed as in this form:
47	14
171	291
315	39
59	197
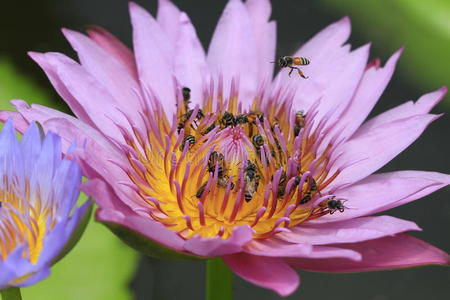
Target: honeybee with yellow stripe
290	62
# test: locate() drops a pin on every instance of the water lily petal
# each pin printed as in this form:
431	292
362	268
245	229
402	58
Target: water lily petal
265	36
108	71
276	247
377	147
154	56
83	87
231	49
217	246
370	196
268	272
191	68
408	109
152	230
399	251
167	17
349	231
114	47
369	90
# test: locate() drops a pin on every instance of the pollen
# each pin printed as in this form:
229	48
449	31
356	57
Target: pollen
23	221
216	166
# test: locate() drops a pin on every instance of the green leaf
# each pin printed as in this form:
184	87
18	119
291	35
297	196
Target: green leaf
14	85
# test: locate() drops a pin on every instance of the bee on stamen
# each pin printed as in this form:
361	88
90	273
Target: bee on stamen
186	92
201	190
227	120
290	61
282	185
189	139
241	119
218	159
251	180
299	122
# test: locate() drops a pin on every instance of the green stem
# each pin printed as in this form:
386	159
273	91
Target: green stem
12	293
219	280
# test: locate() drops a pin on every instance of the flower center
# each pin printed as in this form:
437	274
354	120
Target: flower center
217	166
22	222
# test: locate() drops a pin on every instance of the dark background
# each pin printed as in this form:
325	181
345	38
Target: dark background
34	25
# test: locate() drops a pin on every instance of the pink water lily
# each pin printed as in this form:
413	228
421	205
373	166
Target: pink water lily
206	155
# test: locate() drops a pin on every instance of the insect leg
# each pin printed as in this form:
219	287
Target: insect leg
301	73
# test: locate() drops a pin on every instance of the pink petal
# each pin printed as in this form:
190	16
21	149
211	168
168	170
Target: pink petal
400	251
231	49
168	16
217	246
152	230
369	90
104	196
85	92
369	196
377	147
267	272
340	90
154	56
408	109
42	60
190	61
108	71
115	48
349	231
20	123
327	56
265	36
276	247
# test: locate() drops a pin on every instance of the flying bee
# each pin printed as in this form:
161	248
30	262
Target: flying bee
299	122
334	205
251	180
228	119
290	61
189	139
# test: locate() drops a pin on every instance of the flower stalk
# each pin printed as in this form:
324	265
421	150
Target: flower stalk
219	280
11	294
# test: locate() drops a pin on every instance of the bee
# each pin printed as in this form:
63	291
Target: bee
228	119
208	130
299	122
289	62
241	119
223	182
282	185
252	116
334	205
190	139
216	158
307	197
186	95
251	180
257	141
201	190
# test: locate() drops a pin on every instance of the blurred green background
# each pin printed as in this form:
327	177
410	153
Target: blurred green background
101	267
